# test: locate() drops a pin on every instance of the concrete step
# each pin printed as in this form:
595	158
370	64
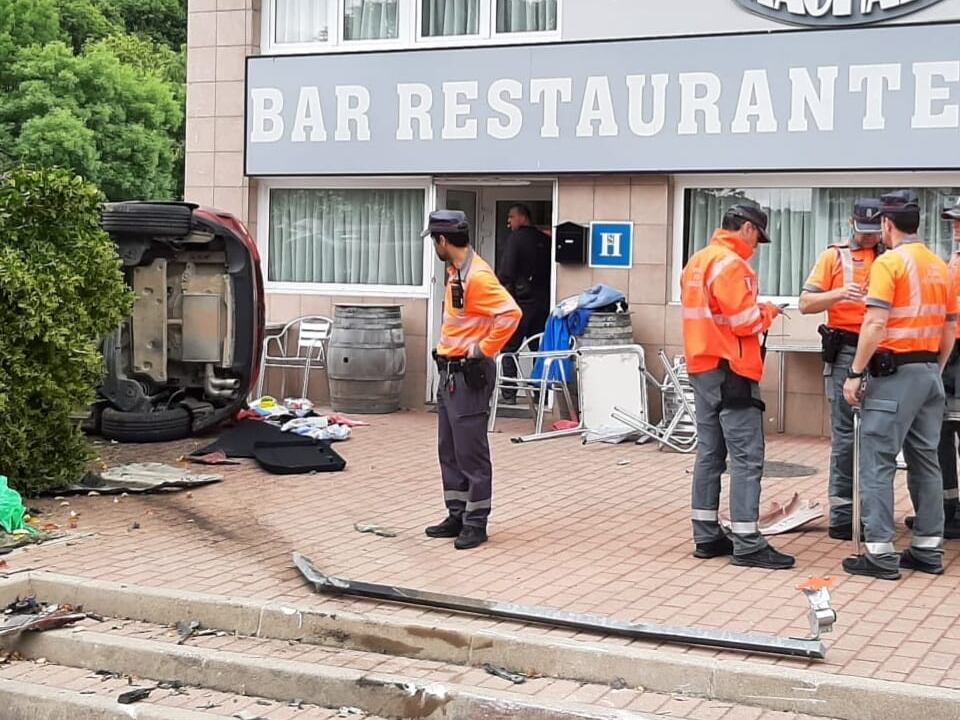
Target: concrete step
395	666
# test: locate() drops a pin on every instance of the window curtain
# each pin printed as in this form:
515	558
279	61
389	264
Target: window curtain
301	21
370	19
450	17
802	223
357	237
526	15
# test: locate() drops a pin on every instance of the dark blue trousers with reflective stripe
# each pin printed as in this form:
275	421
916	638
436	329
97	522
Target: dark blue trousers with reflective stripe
463	448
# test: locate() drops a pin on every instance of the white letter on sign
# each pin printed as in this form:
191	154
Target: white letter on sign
349	111
635	85
453	110
805	96
551	92
691	103
309	117
923	113
597	105
875	76
419	112
610	244
513	123
755	101
267	121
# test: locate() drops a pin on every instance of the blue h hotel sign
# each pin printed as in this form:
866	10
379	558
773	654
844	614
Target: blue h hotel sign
611	244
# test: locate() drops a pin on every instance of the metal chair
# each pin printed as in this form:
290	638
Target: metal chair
535	389
308	351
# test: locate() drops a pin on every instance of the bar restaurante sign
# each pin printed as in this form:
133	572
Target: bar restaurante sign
834	13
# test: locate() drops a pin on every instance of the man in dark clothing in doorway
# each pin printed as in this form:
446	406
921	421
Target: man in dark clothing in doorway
524	270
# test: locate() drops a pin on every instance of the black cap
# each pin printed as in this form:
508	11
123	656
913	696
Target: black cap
899	202
446	221
866	216
753	214
952	213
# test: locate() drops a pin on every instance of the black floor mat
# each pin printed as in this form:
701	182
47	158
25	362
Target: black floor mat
240	440
296	459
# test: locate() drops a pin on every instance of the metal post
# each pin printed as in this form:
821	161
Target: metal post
855	524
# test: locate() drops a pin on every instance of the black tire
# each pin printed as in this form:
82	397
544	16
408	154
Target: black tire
155	219
149	427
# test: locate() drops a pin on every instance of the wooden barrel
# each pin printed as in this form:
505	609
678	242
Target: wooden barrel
367	359
608	329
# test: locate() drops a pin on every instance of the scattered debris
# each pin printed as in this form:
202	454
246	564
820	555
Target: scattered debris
296	703
96	617
515	678
778	519
135	695
619	684
350	712
623	462
374	529
105	675
135	526
140	478
187	630
209	706
218	457
244	715
28	614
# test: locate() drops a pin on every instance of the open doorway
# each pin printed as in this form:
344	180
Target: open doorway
485	203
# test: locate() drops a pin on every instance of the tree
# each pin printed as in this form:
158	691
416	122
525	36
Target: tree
22	23
134	115
61	290
163	21
86	20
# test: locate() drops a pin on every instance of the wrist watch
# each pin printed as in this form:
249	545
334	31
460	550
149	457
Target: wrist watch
853	375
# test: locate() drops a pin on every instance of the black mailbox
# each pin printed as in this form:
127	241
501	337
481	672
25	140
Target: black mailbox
571	242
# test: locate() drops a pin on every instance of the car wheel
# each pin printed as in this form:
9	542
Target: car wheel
148	218
145	427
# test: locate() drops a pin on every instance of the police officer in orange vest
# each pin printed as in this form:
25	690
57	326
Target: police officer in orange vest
838	284
722	325
906	339
479	317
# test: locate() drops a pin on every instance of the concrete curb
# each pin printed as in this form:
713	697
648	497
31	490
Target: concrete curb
377	694
25	701
767	686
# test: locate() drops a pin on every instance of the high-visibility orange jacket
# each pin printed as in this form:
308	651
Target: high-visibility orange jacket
954	268
914	285
489	315
838	266
721	317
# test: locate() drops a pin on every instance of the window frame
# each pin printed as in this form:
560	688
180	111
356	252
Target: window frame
682	183
409	32
279	287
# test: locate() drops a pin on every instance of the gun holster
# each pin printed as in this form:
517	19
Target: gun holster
736	392
882	364
831	342
474	373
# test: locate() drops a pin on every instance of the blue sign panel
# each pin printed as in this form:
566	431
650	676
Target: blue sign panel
611	244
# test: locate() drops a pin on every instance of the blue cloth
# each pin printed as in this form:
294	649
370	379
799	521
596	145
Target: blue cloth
556	336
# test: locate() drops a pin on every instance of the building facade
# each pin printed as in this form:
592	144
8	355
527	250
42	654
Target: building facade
333	127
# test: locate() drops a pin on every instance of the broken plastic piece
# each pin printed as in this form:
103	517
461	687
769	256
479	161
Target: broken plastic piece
374	529
503	673
135	695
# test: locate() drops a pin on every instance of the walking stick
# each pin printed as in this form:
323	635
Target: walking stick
855	525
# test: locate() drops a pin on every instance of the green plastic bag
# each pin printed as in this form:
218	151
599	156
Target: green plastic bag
11	508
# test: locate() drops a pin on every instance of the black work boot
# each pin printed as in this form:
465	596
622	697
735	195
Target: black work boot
951	528
470	537
449	528
863	565
715	548
908	561
843	532
768	558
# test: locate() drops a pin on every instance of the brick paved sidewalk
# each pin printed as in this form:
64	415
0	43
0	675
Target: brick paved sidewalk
597	528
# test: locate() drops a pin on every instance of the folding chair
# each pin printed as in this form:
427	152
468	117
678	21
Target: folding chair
309	349
536	390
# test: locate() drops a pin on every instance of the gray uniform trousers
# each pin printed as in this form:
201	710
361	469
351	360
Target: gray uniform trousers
463	448
720	431
902	410
948	444
840	487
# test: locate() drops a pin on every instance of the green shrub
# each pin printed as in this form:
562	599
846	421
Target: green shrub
61	289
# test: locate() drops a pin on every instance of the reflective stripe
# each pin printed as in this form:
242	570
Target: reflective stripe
705	515
914	276
719	266
747	316
952	494
704	313
838	502
929	542
478	505
744	528
810	287
919	333
877	302
846	262
461	495
886	548
921	311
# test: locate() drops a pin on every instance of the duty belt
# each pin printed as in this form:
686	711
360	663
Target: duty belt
448	364
910	358
846	337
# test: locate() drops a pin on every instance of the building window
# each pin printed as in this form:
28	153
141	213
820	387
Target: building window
526	15
370	19
302	21
803	222
346	236
450	17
